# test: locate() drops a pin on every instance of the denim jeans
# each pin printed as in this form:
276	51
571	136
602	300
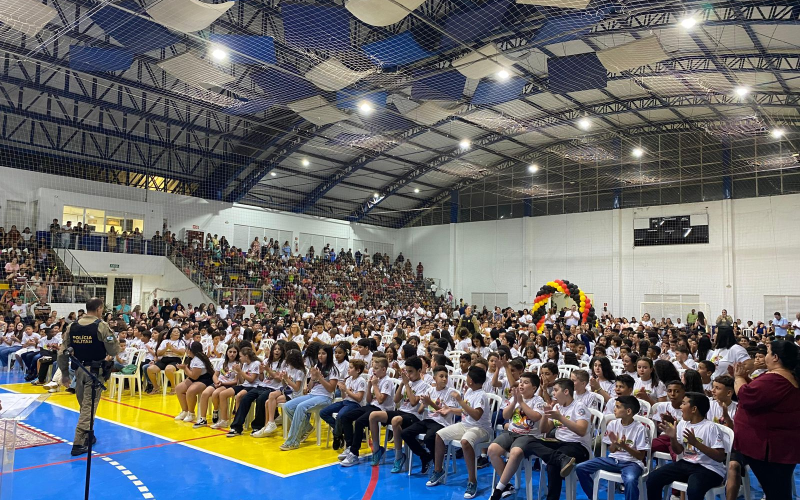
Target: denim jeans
298	410
630	472
340	408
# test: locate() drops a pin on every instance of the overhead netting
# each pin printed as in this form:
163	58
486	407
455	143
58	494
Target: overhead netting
374	110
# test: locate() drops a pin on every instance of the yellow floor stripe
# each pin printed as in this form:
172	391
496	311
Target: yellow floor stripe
263	453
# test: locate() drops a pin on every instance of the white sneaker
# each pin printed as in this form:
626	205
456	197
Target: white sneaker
181	416
270	428
189	417
220	424
51	385
259	433
53	390
349	461
343	454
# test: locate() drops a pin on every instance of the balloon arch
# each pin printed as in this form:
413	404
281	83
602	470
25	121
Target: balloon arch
539	311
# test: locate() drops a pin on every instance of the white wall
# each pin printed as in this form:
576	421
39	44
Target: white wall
751	253
181	212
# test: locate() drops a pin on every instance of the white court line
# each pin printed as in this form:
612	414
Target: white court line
213	453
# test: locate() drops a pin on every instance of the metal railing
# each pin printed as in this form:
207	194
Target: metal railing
70	263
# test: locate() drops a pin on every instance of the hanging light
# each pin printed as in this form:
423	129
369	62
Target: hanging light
777	133
305	162
637	152
464	144
742	91
533	168
503	75
219	54
688	22
365	107
585	123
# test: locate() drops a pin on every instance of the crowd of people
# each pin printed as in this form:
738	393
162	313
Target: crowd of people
486	381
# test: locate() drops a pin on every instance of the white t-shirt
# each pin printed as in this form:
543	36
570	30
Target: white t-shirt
477	399
385	386
357	384
420	388
520	423
227	376
665	407
574	412
658	392
251	368
319	389
710	435
441	398
198	363
636	436
724	358
588	399
715	412
274	383
689	363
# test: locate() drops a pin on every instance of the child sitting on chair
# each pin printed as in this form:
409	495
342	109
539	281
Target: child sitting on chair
628	442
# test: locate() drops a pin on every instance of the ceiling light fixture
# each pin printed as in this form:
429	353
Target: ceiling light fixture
365	107
777	133
219	54
273	174
464	144
376	195
533	168
637	152
585	123
416	190
305	162
503	74
689	22
742	91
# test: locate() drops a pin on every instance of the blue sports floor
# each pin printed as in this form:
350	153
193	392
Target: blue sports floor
135	465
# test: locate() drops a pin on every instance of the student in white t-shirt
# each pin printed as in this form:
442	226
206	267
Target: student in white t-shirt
290	381
727	352
700	442
648	387
628	442
380	397
475	427
437	411
407	399
572	422
723	407
523	411
352	389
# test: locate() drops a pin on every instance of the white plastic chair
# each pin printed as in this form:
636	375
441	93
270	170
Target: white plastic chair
217	363
572	480
615	477
455	356
564	371
719	491
494	405
600	401
645	408
617	367
458	382
134	379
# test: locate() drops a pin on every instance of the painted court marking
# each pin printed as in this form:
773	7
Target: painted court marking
180	443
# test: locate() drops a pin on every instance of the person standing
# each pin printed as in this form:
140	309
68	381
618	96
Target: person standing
724	319
765	428
691	318
92	342
572	317
781	324
124	310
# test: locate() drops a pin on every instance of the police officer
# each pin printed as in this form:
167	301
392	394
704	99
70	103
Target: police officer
92	342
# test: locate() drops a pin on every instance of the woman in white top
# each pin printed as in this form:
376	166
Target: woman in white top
199	375
222	390
10	342
727	352
169	352
291	382
30	346
319	392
